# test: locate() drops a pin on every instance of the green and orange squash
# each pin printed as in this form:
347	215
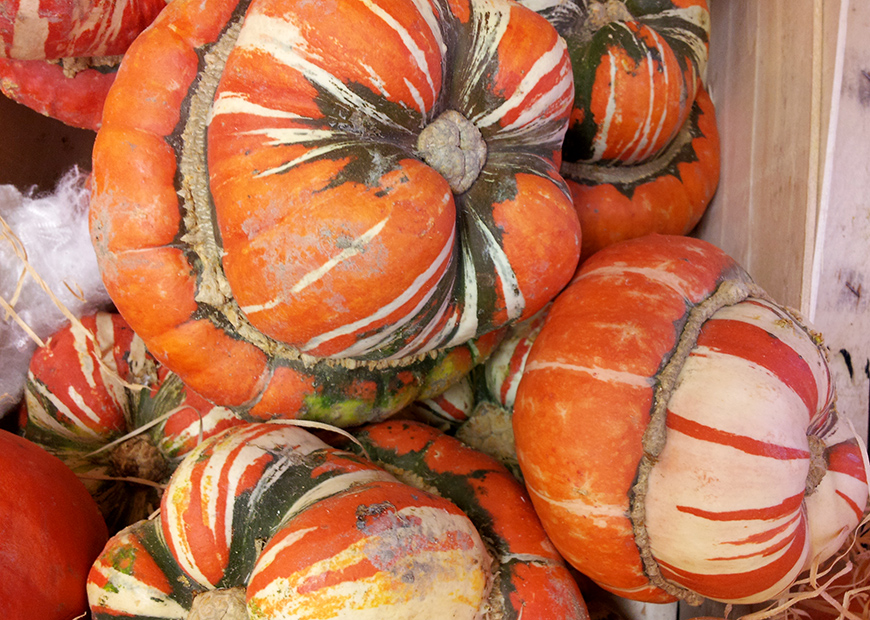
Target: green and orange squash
667	194
301	224
638	66
268	521
97	400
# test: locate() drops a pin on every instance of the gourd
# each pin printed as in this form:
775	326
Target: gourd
641	154
272	216
51	531
638	66
96	399
707	458
667	194
266	521
60	58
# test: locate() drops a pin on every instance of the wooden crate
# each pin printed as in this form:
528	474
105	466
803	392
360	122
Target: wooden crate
791	84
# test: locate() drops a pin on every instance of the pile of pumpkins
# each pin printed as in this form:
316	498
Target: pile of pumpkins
407	323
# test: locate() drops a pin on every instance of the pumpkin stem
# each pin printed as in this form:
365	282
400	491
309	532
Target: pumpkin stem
453	146
225	604
600	13
138	457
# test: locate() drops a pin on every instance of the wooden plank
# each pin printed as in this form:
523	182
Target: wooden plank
839	304
762	79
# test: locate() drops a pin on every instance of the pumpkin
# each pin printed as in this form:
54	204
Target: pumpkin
97	400
51	531
638	66
44	87
707	458
269	521
60	59
273	212
532	578
667	194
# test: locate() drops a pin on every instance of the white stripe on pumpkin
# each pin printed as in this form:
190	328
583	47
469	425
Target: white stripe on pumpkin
30	31
284	41
131	596
599	142
533	117
414	51
38	415
412	291
640	148
606	375
731	394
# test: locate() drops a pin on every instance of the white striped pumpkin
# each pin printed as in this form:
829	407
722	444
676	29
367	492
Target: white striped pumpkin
677	429
60	58
270	521
96	399
299	224
638	65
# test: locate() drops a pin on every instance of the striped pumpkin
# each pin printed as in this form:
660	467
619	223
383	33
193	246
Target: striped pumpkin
97	400
488	427
706	457
531	579
273	210
60	58
667	194
638	65
268	521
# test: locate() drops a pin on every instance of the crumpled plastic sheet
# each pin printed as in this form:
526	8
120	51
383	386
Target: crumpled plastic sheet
53	229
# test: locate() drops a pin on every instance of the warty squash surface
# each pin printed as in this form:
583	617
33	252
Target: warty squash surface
269	521
707	457
274	213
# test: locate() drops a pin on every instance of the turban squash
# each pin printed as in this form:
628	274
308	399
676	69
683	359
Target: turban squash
60	58
667	194
638	66
268	520
641	154
99	402
707	457
298	222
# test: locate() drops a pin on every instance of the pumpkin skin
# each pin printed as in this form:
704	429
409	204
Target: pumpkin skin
43	86
533	579
270	513
667	194
700	413
332	245
638	65
76	407
50	532
60	59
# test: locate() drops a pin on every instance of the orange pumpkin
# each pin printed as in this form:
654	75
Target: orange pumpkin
51	530
60	58
273	215
667	194
638	65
